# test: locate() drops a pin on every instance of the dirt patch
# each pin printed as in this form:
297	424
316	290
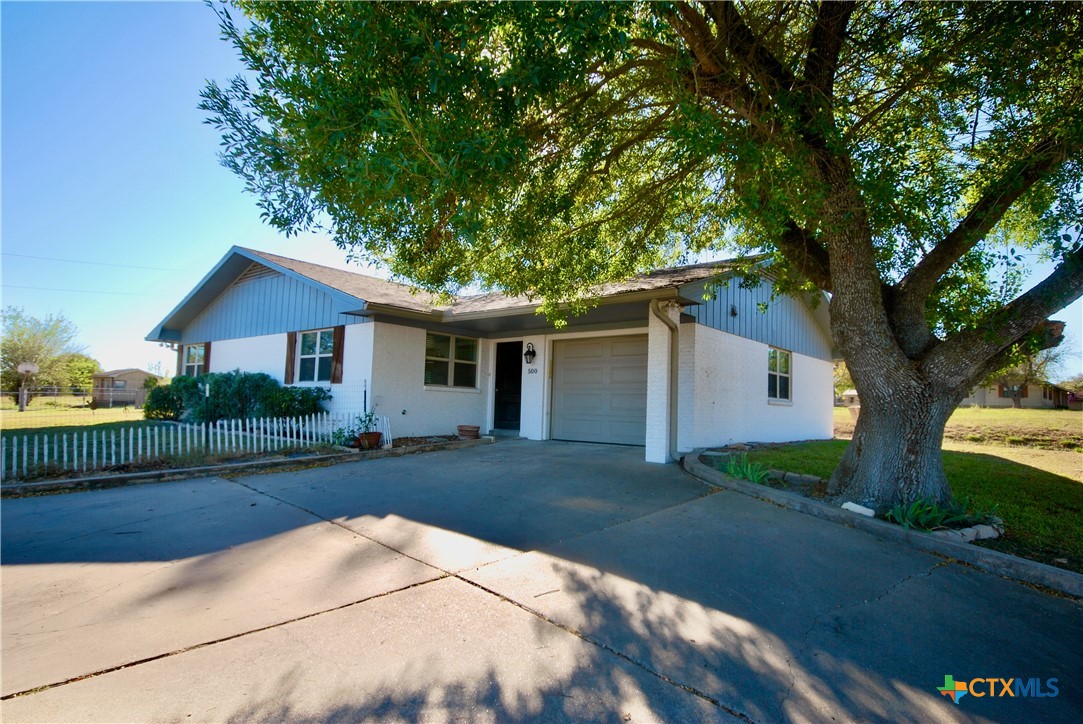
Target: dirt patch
428	440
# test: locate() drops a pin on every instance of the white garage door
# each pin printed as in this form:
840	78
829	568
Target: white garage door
600	390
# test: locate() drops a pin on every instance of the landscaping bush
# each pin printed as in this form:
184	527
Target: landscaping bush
293	401
162	403
234	396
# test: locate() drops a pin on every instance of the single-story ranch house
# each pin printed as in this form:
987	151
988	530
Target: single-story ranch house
1040	395
121	387
657	363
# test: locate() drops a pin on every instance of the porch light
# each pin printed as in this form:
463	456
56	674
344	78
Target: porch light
530	354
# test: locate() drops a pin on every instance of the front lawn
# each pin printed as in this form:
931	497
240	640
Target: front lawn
45	418
1047	429
1043	512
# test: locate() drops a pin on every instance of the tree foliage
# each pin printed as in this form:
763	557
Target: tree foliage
78	371
902	156
48	342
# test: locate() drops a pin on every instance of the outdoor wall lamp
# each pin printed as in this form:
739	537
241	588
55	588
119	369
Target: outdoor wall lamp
530	354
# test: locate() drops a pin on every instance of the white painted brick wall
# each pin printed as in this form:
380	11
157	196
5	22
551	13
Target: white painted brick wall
267	353
398	386
730	395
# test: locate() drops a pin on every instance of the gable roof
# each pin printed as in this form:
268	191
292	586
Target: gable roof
359	294
359	286
126	370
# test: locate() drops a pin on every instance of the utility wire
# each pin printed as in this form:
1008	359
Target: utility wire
80	291
96	263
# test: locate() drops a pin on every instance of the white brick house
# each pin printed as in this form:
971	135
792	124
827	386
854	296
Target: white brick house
658	363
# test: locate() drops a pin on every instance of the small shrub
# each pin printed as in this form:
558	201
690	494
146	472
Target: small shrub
162	403
740	467
293	401
927	515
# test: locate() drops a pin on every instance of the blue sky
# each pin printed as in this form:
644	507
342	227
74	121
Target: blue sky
105	159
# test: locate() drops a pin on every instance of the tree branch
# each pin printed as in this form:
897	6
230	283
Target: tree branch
747	49
908	297
964	358
807	255
825	45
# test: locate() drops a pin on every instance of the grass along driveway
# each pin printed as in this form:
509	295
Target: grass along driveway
1042	511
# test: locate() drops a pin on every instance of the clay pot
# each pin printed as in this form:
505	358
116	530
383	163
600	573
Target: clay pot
468	432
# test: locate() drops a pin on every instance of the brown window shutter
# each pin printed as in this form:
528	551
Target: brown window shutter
1024	390
1000	390
206	357
291	353
338	338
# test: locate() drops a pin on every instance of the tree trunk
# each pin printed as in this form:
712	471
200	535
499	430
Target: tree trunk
895	454
1017	400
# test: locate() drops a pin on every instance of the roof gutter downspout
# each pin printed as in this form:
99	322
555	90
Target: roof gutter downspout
674	351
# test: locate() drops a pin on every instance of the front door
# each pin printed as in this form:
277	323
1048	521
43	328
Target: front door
509	385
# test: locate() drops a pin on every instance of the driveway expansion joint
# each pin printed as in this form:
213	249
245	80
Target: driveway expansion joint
205	644
609	649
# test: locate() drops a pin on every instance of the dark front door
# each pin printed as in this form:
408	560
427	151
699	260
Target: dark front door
509	385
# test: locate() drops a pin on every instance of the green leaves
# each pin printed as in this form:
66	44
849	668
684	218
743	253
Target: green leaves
549	147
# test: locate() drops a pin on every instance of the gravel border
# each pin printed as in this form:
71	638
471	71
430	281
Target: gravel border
278	464
1001	564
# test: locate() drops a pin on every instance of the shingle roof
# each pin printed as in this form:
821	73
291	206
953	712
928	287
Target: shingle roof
362	286
126	370
381	291
658	279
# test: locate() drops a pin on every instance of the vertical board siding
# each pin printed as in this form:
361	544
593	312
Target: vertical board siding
787	323
263	305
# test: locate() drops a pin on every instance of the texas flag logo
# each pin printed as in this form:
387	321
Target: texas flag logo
955	689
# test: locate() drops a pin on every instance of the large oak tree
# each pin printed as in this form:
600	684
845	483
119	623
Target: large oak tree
900	156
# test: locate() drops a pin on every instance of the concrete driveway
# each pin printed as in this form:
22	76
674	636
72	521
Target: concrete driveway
521	581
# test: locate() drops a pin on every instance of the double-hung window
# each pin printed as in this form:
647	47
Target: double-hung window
193	360
315	358
450	361
778	375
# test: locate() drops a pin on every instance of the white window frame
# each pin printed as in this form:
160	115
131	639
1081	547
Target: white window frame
194	369
775	354
452	361
317	356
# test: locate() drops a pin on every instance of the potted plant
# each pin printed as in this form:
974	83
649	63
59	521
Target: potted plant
367	436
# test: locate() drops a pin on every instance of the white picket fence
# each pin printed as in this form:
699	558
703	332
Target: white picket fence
89	450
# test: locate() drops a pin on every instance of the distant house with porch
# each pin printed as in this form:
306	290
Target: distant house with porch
1035	395
120	388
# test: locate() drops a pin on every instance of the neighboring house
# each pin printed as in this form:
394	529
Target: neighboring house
121	387
654	364
850	398
1034	395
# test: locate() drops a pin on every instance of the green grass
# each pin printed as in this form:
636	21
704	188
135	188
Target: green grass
1045	429
1043	512
72	418
61	427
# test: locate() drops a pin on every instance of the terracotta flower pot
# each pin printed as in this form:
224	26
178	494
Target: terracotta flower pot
468	432
369	440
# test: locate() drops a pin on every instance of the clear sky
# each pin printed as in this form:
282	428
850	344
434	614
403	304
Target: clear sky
107	166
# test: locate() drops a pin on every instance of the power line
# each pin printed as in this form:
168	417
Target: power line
80	291
96	263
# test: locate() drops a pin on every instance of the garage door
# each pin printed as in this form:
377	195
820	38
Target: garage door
600	390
